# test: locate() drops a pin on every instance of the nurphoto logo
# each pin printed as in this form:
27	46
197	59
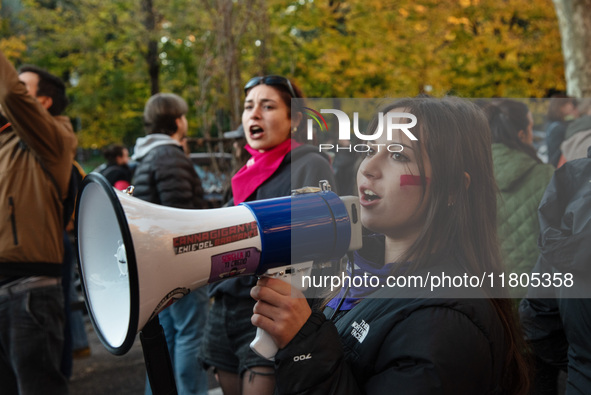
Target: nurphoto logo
387	123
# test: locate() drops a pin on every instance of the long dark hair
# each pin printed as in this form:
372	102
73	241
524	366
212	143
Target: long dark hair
461	221
506	118
454	135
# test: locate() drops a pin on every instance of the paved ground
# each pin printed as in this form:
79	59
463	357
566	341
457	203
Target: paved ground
106	374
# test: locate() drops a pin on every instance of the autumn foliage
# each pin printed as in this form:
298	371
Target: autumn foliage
207	49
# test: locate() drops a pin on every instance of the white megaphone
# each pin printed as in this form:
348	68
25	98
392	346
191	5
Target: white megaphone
136	258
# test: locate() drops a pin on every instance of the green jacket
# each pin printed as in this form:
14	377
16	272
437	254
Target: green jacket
36	156
522	182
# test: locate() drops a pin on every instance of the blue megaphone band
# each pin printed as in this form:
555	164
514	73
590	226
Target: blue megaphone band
303	227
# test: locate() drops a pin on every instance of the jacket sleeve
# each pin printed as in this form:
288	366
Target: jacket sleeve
554	136
540	317
314	363
317	168
41	132
543	330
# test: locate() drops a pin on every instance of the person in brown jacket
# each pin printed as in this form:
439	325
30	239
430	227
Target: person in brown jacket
36	153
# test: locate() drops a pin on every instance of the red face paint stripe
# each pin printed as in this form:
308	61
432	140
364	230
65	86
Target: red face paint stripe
407	179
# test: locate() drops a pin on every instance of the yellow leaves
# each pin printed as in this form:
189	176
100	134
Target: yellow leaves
471	66
420	8
13	47
511	57
468	3
458	21
130	114
361	48
450	36
420	27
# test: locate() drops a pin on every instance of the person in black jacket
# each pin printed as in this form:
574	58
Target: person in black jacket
556	318
117	170
166	176
431	205
278	164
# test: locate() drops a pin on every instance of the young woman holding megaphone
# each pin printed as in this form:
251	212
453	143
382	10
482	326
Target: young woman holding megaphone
432	210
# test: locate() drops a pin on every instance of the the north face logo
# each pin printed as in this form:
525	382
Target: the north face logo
360	330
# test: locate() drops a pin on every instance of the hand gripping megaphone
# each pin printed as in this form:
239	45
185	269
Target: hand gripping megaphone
136	258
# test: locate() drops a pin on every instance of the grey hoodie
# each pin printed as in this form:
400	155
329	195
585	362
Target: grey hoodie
143	145
165	175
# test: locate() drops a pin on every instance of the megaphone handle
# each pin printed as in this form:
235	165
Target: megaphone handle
157	359
264	345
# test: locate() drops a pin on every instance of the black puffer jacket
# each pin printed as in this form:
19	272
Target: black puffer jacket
114	173
556	320
399	343
164	175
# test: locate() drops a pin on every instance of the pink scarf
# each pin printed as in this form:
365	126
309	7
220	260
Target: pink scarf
258	169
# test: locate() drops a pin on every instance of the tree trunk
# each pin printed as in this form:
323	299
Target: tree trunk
574	19
151	55
230	35
231	26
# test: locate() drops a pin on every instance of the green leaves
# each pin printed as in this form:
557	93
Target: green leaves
207	49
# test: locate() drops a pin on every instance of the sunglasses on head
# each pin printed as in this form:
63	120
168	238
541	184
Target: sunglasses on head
270	80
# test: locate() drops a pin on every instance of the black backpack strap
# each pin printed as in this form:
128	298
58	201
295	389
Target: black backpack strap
69	203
